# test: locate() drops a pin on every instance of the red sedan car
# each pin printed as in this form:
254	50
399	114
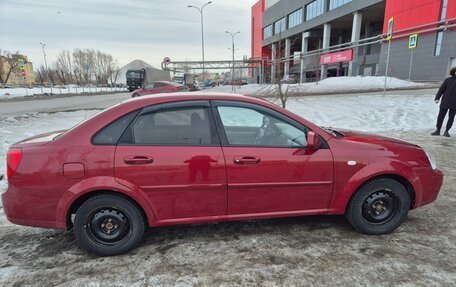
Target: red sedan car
159	88
179	159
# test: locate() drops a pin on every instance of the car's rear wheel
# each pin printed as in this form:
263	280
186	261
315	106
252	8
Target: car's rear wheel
109	225
379	207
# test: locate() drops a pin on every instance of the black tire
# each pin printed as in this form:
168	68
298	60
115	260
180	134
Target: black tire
379	207
109	225
134	95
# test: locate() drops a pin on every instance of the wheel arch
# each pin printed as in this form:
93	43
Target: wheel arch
394	176
78	201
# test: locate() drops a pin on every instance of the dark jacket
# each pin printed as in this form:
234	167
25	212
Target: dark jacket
448	91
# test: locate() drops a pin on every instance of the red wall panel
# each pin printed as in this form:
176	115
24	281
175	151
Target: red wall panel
409	13
257	28
451	10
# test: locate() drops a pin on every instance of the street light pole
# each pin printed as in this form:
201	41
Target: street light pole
45	62
232	49
200	9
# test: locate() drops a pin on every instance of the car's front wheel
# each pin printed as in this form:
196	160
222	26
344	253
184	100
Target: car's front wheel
109	225
134	95
379	207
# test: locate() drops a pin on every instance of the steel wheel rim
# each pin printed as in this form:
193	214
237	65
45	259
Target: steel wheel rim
380	207
108	226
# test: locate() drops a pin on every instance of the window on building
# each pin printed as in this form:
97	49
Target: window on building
314	9
333	4
439	38
295	18
280	26
267	32
444	9
438	44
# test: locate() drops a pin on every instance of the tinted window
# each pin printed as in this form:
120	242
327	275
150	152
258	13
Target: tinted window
183	126
150	86
111	134
159	85
245	126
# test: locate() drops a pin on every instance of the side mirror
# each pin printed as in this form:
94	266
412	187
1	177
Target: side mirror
313	140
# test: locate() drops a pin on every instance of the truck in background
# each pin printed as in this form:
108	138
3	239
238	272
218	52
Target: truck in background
138	78
186	79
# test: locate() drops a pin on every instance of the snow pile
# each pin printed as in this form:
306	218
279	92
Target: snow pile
8	93
330	86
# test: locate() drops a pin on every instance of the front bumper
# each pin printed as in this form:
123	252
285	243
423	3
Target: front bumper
429	185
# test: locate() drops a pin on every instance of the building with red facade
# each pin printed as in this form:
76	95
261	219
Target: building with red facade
324	38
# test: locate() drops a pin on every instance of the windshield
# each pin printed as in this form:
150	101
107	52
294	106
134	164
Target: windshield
134	75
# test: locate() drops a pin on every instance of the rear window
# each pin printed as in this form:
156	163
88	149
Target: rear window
183	126
111	134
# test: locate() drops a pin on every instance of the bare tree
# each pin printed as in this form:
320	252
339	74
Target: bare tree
84	62
62	67
278	90
52	76
103	65
41	73
114	71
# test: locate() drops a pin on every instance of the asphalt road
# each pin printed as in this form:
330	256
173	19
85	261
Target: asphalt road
86	102
59	104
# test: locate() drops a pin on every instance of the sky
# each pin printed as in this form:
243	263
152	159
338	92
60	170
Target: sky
128	29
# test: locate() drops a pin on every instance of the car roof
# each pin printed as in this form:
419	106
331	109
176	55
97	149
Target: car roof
173	97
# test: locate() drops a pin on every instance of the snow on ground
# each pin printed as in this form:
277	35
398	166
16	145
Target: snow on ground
8	93
331	86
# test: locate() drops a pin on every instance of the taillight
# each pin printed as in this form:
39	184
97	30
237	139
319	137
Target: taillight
13	160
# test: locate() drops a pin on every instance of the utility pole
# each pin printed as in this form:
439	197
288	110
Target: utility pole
232	50
200	9
45	62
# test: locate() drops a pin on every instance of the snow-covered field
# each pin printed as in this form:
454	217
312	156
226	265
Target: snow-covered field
331	86
8	93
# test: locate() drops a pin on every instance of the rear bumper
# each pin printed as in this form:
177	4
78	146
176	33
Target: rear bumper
21	211
430	183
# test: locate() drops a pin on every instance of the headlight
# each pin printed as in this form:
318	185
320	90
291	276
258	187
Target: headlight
431	160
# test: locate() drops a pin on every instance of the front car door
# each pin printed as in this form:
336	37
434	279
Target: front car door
171	152
269	167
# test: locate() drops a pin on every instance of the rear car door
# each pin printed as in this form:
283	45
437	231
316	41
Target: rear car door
159	88
269	167
171	152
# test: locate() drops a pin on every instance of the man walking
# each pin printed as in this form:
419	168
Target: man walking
448	94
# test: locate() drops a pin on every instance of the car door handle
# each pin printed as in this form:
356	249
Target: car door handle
138	159
246	160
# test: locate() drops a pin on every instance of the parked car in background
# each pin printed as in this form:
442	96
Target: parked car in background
238	82
193	158
290	79
158	88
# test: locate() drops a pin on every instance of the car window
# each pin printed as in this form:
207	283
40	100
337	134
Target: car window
150	86
183	126
159	85
111	134
245	126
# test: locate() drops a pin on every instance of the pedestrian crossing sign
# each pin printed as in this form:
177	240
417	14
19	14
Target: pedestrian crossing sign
389	35
413	41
